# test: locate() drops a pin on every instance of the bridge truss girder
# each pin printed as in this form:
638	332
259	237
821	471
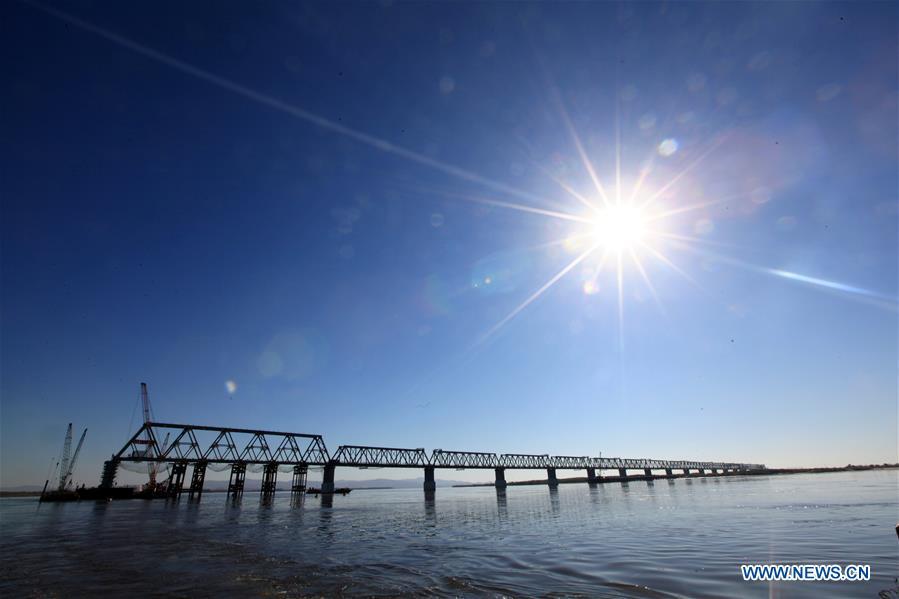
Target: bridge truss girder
380	457
463	459
523	461
222	445
228	446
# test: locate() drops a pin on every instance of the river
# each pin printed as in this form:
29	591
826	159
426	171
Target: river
679	538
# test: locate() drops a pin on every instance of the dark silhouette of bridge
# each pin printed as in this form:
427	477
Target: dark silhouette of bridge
204	447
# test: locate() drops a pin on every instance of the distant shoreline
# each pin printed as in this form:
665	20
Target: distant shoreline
583	479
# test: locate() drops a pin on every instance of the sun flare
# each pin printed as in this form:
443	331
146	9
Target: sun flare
619	228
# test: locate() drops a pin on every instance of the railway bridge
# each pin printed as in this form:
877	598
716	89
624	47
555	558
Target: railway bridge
220	448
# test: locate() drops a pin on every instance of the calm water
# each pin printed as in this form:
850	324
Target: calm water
677	538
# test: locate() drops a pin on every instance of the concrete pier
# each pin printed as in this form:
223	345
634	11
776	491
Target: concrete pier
298	485
176	478
500	478
701	471
591	475
647	472
622	472
430	483
328	478
237	478
686	472
669	473
714	471
197	479
269	479
551	478
110	469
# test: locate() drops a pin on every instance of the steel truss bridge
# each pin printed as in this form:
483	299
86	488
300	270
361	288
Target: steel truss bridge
204	447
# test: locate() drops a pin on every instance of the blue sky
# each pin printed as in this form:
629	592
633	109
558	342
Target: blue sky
333	207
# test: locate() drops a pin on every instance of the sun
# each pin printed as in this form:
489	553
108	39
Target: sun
619	228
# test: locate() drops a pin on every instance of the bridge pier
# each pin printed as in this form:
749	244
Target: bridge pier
237	478
500	478
702	472
298	487
591	476
110	469
551	478
622	472
714	471
669	473
647	472
328	478
430	482
269	479
176	479
197	478
686	472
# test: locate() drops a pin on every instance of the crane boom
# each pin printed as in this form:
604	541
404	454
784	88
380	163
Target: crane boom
64	460
151	449
67	479
145	402
154	466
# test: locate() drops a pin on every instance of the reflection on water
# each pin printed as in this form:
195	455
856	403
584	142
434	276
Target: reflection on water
682	538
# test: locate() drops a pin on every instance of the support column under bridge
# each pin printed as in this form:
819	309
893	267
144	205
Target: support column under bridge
176	479
551	479
237	478
430	482
500	478
299	479
328	478
197	478
269	479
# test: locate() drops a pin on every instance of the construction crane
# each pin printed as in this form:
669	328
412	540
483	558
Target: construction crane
154	466
64	460
151	451
65	466
68	466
